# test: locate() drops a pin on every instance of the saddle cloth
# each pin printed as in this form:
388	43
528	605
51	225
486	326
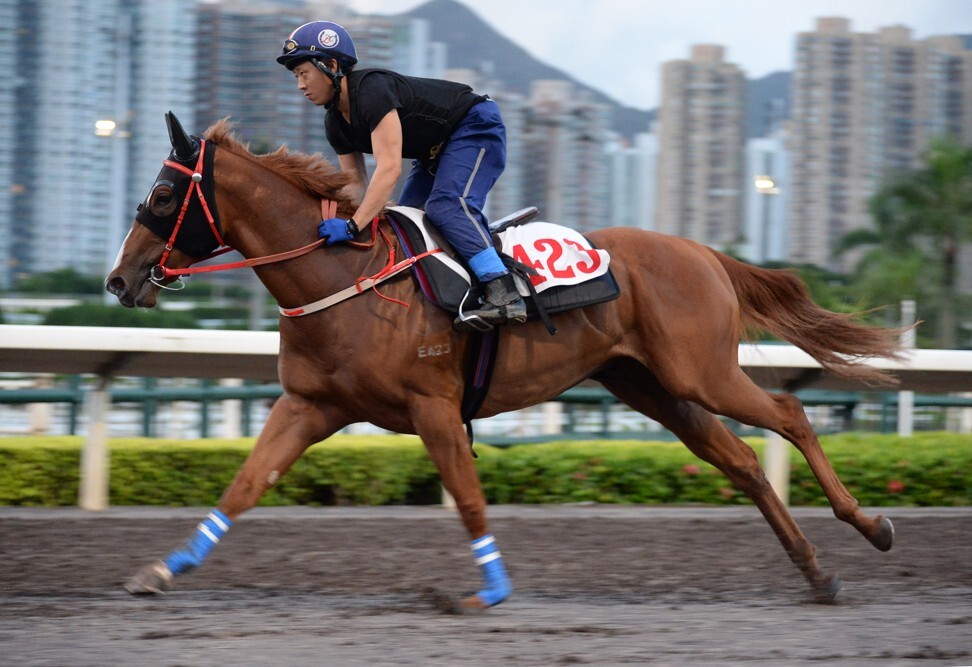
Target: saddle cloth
568	272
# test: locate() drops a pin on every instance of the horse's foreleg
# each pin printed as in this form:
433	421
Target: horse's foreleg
292	426
439	426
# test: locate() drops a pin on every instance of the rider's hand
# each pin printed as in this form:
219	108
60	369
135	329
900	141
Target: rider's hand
336	230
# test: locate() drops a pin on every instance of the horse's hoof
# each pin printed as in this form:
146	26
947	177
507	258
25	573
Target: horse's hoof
154	579
441	601
473	603
884	537
829	589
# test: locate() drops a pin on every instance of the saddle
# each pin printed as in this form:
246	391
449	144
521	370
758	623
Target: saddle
556	268
550	284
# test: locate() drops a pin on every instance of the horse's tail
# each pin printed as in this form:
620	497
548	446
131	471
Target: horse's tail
779	302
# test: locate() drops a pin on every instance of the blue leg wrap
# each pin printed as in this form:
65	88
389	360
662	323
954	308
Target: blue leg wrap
207	534
489	560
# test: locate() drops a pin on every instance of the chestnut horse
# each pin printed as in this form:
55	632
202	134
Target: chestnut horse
667	347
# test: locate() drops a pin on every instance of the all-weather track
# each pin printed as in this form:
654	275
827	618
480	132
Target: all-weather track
594	585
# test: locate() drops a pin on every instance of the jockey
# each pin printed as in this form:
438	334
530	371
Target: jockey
456	139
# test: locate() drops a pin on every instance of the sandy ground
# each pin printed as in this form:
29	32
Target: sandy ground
598	585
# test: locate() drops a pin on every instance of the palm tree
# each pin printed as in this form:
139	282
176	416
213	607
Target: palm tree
922	219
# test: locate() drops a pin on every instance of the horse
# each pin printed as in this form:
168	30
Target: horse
667	346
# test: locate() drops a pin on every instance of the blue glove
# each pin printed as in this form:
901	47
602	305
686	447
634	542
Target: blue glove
336	230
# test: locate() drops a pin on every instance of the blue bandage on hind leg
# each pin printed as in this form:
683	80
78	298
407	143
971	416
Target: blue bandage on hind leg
490	562
207	535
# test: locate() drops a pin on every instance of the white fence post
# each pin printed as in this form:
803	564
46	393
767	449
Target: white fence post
776	462
906	399
39	414
232	409
93	490
553	418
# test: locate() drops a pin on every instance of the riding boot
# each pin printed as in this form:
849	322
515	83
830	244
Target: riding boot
501	303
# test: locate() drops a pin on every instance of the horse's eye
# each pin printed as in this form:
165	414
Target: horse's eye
162	200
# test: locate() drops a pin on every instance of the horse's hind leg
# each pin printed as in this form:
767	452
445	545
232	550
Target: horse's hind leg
710	440
438	423
737	397
292	426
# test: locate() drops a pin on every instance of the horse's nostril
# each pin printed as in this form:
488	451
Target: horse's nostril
115	285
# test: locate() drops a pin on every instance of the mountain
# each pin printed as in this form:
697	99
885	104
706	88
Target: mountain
471	42
767	102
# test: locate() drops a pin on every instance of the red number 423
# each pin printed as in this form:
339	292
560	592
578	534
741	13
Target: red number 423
554	251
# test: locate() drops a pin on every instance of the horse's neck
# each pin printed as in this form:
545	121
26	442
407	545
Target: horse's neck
263	215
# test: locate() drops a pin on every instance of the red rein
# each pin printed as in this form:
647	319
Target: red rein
160	272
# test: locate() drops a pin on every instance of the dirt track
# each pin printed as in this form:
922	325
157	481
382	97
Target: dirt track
594	586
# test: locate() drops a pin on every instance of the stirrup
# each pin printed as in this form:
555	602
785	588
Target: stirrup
470	322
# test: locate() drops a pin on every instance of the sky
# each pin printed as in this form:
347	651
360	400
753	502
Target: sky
618	46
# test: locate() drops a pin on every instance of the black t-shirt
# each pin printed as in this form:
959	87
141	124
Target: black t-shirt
429	110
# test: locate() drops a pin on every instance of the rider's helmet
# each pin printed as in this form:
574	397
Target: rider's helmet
318	40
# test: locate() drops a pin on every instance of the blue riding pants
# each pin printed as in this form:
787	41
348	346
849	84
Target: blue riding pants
454	196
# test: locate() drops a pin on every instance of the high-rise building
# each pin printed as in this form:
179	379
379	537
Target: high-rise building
159	71
633	181
375	40
13	180
414	52
508	193
702	134
565	135
237	44
82	145
863	106
768	175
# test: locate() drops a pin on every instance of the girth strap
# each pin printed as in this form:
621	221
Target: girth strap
479	373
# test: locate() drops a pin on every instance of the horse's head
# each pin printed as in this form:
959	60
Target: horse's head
174	227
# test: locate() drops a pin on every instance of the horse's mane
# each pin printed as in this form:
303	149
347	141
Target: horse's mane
311	173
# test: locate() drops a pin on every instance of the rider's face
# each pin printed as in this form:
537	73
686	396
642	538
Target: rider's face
313	84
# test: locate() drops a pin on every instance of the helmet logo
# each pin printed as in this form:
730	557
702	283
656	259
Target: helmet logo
328	38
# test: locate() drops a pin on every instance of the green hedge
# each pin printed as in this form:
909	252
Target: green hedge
880	470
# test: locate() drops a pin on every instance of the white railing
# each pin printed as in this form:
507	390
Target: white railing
117	352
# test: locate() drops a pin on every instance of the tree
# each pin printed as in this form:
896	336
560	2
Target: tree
61	281
922	218
98	315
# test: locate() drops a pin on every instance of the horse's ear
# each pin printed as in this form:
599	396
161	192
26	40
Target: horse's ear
183	145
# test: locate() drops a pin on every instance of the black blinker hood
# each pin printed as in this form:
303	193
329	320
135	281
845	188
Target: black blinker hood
195	237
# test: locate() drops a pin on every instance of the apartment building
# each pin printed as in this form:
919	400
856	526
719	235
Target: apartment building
702	134
863	106
566	136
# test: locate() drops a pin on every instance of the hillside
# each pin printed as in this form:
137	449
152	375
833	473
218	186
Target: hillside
472	42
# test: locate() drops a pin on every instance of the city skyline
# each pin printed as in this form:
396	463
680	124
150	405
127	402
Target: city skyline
564	155
760	42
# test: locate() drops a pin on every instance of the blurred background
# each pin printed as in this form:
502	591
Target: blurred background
838	144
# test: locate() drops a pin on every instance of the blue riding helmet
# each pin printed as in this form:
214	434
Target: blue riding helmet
318	40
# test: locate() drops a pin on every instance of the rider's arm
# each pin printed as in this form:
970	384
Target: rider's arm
386	144
354	163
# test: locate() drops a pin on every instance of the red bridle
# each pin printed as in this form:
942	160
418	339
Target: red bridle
160	272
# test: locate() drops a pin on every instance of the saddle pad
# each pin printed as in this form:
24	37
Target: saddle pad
445	280
560	255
